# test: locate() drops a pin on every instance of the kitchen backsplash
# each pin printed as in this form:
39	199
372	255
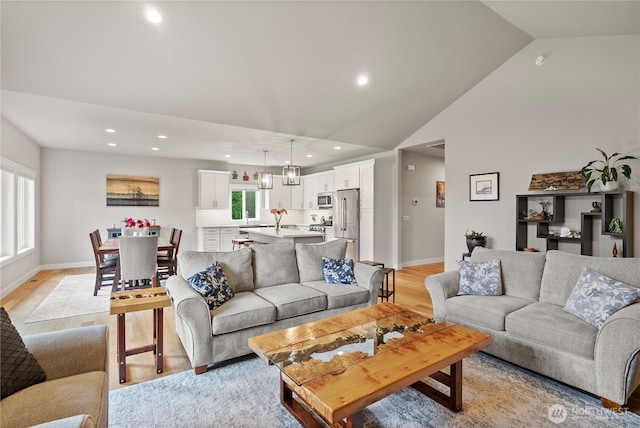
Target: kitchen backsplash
210	218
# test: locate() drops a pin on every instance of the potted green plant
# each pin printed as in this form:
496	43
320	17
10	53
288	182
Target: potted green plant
606	171
475	239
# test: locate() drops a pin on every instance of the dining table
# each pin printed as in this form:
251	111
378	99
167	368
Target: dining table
111	246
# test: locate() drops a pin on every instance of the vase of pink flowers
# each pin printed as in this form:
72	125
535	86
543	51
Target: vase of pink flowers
139	227
277	215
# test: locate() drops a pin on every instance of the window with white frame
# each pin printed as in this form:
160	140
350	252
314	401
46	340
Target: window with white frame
245	203
17	210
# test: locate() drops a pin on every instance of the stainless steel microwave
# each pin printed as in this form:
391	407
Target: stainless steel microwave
325	200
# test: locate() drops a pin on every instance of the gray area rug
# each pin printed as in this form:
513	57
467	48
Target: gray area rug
245	394
72	297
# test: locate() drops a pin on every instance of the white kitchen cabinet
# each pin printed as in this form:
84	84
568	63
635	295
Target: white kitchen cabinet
279	196
297	197
367	235
310	185
227	234
213	189
325	181
216	238
366	184
347	176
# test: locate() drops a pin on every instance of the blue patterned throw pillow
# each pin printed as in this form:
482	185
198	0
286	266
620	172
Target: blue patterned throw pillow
596	297
338	271
212	285
480	279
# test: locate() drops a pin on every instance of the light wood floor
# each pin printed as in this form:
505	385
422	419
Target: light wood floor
410	293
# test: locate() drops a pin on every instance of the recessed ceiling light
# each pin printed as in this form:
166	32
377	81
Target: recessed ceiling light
153	16
110	130
155	148
337	147
111	144
227	156
309	156
363	80
287	161
164	137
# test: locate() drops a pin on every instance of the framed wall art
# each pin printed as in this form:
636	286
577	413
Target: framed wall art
484	187
439	194
131	191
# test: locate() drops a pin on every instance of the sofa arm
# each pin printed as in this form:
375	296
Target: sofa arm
616	355
69	352
369	277
441	286
193	320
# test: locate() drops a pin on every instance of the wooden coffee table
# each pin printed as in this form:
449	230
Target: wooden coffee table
339	365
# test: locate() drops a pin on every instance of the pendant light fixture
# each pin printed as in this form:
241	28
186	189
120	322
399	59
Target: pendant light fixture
265	179
291	173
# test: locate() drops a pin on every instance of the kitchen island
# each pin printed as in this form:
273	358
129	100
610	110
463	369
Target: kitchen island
268	235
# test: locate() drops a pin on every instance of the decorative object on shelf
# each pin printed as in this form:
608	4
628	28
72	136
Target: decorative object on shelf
256	175
484	187
615	226
553	181
440	194
234	174
245	177
545	209
535	215
565	232
596	207
615	250
291	173
125	190
606	171
475	239
277	215
265	179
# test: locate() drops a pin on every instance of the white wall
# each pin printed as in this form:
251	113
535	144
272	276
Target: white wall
422	235
525	119
74	200
19	148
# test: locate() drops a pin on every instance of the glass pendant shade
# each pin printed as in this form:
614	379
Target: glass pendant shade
291	173
265	179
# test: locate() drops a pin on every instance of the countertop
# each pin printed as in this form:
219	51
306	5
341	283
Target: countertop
283	233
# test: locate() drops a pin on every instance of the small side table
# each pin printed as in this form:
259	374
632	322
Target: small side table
371	263
465	255
122	302
384	293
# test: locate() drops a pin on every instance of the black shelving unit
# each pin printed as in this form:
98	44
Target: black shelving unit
610	209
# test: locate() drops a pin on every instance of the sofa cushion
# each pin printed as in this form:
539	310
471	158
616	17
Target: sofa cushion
480	279
57	399
486	311
245	310
340	295
338	271
212	284
274	264
309	257
19	369
236	266
549	325
562	270
292	300
521	272
596	297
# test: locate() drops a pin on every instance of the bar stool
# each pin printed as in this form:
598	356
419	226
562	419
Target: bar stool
241	242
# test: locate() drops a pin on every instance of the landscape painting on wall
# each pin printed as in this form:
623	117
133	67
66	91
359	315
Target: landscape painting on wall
126	190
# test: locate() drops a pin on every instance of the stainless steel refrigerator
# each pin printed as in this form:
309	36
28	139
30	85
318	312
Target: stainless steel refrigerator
346	220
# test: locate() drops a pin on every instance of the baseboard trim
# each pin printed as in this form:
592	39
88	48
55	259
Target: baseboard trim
421	262
17	283
67	265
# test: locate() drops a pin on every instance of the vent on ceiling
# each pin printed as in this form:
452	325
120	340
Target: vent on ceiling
439	146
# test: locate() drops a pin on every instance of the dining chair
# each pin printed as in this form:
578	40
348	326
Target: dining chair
168	265
105	269
138	262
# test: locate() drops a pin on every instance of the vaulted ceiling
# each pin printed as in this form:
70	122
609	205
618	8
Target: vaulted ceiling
227	80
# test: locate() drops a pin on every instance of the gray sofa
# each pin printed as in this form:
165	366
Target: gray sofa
276	286
76	390
530	328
